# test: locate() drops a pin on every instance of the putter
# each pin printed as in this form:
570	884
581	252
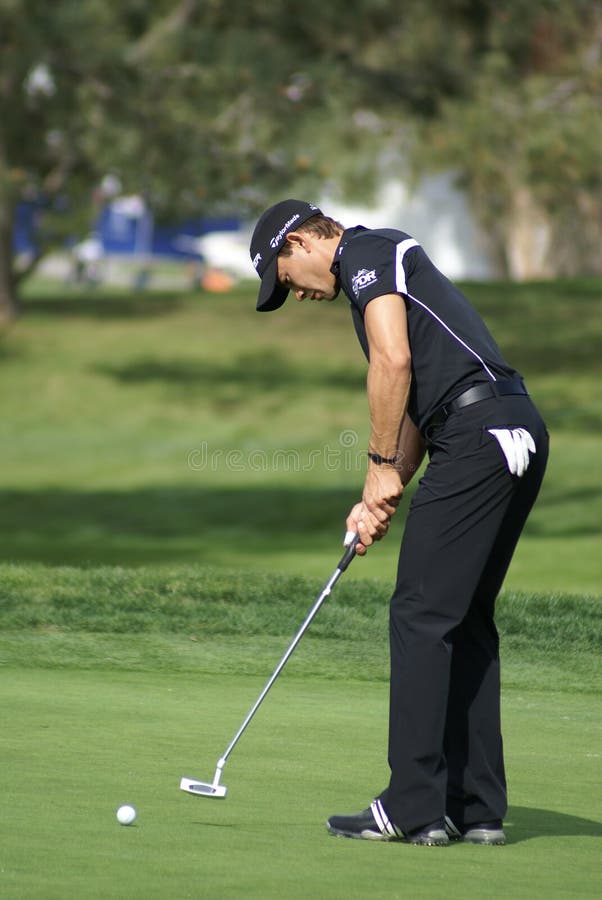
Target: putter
215	788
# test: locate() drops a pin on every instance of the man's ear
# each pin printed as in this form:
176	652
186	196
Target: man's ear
298	240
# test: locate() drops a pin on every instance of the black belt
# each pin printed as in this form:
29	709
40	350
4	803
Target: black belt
479	392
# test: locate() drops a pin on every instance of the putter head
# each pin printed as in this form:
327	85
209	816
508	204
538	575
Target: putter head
203	789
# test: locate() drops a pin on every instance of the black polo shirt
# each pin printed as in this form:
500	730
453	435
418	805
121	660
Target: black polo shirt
450	345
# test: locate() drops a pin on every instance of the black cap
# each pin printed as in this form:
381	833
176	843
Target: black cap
268	240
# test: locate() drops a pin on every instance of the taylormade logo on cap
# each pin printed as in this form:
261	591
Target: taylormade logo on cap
285	228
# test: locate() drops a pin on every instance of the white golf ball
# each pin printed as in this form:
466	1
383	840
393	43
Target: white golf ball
126	815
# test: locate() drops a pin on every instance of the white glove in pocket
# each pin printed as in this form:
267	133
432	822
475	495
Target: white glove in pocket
516	443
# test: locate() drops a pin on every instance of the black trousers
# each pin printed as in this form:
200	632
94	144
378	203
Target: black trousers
445	742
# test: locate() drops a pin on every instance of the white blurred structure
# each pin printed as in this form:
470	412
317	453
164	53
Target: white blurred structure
227	251
436	214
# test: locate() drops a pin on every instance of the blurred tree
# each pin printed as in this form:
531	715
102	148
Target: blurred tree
526	140
211	104
72	82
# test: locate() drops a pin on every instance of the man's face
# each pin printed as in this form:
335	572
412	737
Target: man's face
307	272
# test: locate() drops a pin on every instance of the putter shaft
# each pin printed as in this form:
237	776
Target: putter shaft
219	790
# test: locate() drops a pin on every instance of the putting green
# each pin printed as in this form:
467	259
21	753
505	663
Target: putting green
78	744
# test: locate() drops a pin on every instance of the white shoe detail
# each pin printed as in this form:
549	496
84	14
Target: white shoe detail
451	829
383	822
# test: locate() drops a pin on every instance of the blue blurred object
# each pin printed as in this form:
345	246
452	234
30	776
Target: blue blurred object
129	229
27	217
126	227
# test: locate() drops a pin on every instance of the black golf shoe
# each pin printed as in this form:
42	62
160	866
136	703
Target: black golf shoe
373	824
491	833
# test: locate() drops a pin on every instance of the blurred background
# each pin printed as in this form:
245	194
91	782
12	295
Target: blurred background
149	417
134	129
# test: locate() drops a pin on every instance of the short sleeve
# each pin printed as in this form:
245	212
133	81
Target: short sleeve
368	269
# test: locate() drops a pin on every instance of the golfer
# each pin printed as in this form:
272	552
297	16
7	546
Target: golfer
437	384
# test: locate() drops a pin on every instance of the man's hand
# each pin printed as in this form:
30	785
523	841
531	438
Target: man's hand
372	516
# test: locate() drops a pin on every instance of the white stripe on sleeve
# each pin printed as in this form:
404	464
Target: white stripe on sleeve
400	275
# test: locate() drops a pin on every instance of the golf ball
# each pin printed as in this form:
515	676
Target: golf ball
126	815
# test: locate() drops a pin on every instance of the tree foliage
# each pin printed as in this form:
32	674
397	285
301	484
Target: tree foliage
205	104
526	139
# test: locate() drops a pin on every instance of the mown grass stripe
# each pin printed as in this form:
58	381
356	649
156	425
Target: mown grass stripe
211	602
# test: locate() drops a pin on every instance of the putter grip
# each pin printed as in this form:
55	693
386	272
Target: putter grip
349	553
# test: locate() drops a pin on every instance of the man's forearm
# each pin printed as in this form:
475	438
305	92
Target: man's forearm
388	391
411	450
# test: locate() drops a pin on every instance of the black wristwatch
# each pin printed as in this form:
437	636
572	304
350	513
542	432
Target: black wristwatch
381	460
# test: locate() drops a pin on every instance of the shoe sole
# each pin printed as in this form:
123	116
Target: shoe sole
365	835
485	836
432	839
435	839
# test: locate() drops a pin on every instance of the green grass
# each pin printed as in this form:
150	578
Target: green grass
206	603
204	621
175	472
159	429
82	743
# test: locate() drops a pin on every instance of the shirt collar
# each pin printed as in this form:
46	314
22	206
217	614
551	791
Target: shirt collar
345	238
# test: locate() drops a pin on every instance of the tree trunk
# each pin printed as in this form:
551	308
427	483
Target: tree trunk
9	304
528	239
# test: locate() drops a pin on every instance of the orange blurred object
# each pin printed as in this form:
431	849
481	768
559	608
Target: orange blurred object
216	282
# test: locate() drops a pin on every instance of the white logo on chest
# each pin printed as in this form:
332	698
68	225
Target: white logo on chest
363	279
